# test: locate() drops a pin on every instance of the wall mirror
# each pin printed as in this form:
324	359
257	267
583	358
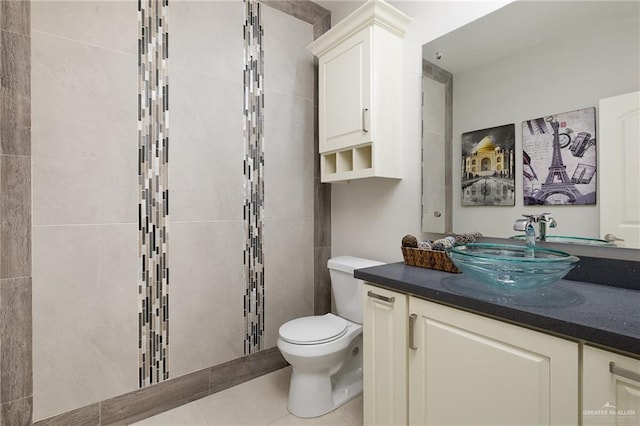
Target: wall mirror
525	61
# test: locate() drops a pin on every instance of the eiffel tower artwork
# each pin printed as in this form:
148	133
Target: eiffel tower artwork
558	181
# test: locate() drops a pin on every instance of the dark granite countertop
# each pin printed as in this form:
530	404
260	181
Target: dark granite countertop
593	313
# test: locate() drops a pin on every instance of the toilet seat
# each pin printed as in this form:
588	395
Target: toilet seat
313	330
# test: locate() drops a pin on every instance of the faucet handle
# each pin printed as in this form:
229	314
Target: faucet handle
521	224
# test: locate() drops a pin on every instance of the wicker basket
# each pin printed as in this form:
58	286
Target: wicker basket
430	259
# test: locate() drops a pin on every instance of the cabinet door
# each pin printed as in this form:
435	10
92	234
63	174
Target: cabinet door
471	370
385	357
345	93
610	393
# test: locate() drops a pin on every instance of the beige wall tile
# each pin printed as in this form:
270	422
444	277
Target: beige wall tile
107	24
206	291
205	165
288	171
206	36
85	342
288	65
84	133
288	247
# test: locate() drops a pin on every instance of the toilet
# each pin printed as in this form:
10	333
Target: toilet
325	351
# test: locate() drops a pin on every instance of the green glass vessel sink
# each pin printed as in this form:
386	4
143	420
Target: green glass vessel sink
511	266
571	240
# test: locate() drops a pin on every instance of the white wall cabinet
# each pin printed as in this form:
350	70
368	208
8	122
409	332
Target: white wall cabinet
360	94
610	388
462	368
385	357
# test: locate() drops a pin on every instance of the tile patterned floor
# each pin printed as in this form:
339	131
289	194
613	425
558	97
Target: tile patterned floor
262	401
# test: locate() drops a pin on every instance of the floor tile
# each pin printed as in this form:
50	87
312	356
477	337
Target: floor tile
330	419
188	414
351	412
259	402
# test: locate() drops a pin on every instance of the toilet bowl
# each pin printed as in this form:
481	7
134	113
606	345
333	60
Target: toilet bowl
325	352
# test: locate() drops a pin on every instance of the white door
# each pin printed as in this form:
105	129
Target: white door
619	168
385	357
611	388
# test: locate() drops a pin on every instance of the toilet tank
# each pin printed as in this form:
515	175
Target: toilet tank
347	290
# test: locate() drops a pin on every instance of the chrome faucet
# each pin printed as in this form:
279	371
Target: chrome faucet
526	225
543	220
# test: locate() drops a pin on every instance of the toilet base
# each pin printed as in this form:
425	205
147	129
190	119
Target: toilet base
313	394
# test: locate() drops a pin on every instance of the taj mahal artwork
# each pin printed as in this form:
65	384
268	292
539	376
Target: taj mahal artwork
488	167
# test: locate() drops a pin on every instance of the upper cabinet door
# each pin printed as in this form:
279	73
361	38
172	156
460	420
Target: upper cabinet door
345	93
619	174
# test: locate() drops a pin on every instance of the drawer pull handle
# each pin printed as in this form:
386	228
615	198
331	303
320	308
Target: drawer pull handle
379	297
364	120
623	372
412	326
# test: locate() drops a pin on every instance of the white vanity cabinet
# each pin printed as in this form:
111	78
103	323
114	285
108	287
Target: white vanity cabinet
385	357
610	388
360	94
462	368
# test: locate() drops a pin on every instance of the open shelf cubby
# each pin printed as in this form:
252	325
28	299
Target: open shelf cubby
348	163
345	161
329	163
362	157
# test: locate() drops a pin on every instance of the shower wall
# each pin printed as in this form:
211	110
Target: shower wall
86	260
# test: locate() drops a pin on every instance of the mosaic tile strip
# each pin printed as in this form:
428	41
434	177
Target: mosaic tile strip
153	206
253	177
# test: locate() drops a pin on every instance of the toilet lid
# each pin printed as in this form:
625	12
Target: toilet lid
313	330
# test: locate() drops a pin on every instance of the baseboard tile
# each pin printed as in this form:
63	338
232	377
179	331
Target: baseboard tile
149	401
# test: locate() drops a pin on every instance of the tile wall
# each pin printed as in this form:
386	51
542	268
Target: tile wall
85	218
85	192
153	192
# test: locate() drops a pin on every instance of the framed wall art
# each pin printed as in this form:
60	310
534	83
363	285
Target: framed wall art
488	169
559	159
